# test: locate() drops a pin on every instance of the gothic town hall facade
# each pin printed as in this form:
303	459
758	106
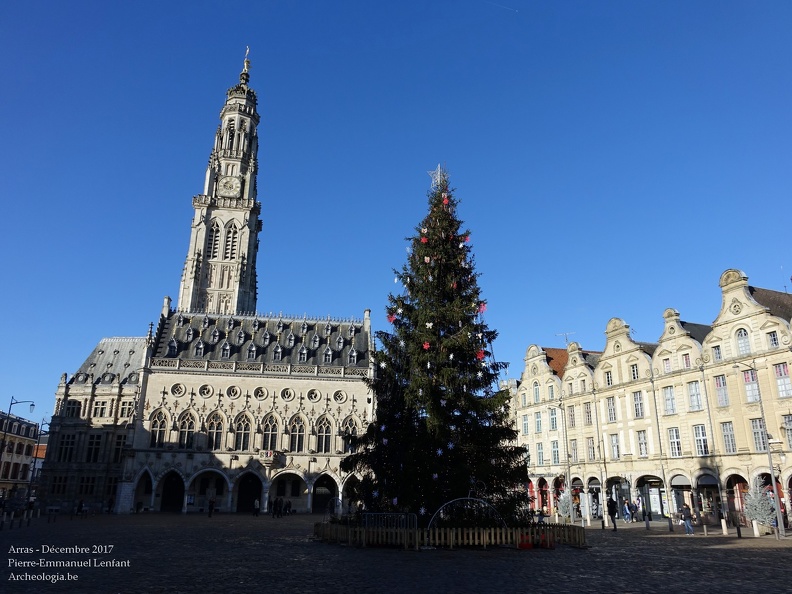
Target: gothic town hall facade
217	402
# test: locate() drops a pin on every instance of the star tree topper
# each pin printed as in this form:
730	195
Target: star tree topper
439	175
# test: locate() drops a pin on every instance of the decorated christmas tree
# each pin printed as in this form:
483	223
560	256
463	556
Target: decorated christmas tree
758	506
442	429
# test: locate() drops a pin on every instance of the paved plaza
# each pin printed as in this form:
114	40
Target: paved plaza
233	553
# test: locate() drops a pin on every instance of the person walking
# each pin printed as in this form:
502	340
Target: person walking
256	505
687	519
211	506
612	507
626	512
634	511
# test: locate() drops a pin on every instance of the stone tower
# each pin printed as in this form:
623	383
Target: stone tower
219	274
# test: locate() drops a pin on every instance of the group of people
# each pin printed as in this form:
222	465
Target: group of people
629	511
279	507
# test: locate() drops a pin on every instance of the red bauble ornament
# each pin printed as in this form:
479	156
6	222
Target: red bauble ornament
426	346
480	355
424	240
391	317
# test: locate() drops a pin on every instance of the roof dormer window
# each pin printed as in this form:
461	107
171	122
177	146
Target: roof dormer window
172	348
352	357
225	351
251	352
303	354
339	343
265	338
189	335
290	340
240	336
277	354
199	348
215	335
304	328
315	342
328	355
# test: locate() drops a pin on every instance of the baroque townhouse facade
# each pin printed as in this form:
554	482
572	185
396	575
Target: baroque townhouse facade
673	422
217	403
18	438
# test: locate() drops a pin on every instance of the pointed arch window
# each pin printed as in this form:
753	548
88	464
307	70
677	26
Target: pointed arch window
215	335
189	335
199	349
225	351
213	241
297	435
277	354
304	328
186	432
303	355
159	424
251	352
214	432
242	441
232	236
339	343
352	331
280	326
205	322
328	329
266	338
328	355
352	357
179	321
350	430
231	134
172	348
290	340
324	433
240	337
270	431
230	324
315	341
255	325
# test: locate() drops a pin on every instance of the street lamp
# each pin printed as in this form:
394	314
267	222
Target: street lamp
779	519
39	433
568	476
8	424
651	376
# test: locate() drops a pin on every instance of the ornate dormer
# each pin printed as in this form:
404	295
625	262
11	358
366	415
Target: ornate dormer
219	274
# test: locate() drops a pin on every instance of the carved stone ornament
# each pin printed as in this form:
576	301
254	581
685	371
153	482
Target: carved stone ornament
735	307
206	390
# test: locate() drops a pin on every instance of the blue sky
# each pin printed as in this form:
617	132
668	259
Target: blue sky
612	159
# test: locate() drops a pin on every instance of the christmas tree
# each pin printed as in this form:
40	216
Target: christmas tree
758	505
442	428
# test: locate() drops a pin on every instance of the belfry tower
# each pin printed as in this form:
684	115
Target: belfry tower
219	274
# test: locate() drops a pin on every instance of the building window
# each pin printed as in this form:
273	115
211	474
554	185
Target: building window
638	405
340	342
686	360
536	392
569	388
525	424
540	454
241	337
230	251
93	448
694	396
667	365
242	441
573	451
66	448
214	432
788	429
554	455
118	448
675	442
611	409
265	338
592	454
277	353
127	408
772	340
751	386
538	422
328	355
350	430
608	378
614	441
72	409
352	357
323	435
58	485
571	416
173	348
158	427
670	400
290	340
553	419
213	241
582	386
225	351
270	431
297	434
587	418
721	391
743	344
315	341
729	443
100	408
643	447
782	380
634	371
251	352
700	435
716	353
87	485
759	435
186	432
524	399
199	349
302	356
551	392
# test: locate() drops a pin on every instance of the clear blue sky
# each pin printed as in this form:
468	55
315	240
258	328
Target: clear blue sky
612	159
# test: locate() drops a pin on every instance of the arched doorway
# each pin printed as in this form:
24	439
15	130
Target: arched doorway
172	493
681	493
653	496
291	489
324	491
708	498
542	496
248	490
579	503
595	497
204	487
143	493
736	488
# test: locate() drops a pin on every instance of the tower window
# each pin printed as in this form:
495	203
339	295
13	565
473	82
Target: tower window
213	241
230	251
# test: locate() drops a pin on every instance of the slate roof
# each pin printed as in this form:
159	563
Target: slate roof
253	338
779	304
113	360
697	331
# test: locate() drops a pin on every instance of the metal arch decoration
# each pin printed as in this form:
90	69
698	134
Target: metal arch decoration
479	502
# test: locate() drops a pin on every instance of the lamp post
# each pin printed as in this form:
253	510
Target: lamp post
779	519
650	375
568	476
701	362
8	424
39	433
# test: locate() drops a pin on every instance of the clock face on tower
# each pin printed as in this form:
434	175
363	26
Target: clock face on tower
229	187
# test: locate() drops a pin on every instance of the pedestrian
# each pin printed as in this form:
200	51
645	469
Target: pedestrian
279	507
612	507
287	508
626	512
274	507
211	506
634	511
687	519
256	505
